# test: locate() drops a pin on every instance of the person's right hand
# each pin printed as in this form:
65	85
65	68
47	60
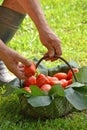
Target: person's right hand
13	61
51	42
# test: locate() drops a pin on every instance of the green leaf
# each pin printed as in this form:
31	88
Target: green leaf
78	100
36	91
39	101
82	90
76	84
57	90
15	90
20	91
82	74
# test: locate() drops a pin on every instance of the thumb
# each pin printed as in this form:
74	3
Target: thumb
51	52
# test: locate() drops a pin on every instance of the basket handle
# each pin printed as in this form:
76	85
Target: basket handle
59	57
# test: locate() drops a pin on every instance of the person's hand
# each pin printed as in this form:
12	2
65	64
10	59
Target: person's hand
51	42
15	62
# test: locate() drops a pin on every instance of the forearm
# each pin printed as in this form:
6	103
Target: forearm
33	9
3	50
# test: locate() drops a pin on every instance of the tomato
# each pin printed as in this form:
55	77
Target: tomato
69	81
70	74
27	89
63	82
42	80
61	75
46	87
40	76
53	80
30	81
30	70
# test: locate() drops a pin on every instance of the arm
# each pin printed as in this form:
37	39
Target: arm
12	60
33	9
47	36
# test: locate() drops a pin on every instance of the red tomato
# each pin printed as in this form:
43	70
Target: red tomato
27	89
42	80
30	81
30	70
46	87
53	80
63	82
69	81
70	74
40	76
61	75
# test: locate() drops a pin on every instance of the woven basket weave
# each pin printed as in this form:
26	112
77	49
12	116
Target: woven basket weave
59	106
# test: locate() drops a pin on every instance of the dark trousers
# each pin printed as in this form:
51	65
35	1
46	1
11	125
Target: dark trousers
9	23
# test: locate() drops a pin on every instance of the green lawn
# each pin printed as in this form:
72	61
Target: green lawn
68	19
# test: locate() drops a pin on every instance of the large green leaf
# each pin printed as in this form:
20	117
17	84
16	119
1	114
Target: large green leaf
39	101
82	90
80	87
57	90
82	74
36	91
78	100
76	84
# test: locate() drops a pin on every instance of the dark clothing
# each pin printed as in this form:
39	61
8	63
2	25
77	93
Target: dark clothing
10	21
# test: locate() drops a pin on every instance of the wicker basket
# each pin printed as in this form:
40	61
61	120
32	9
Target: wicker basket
59	107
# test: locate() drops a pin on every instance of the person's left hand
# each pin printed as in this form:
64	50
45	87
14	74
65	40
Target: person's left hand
51	42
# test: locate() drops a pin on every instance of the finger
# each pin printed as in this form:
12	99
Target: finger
19	72
58	50
21	65
24	60
51	50
21	69
49	58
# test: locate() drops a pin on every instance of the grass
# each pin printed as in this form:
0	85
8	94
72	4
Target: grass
68	19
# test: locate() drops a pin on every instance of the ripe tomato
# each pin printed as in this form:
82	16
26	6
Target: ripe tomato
30	70
61	75
42	80
46	87
30	81
70	74
53	80
63	82
27	89
40	76
69	81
